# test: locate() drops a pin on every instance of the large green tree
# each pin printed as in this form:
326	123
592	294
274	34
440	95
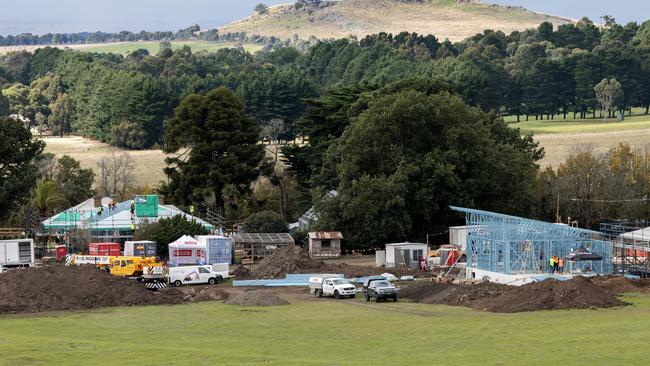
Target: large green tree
166	230
74	182
409	155
59	120
215	144
265	222
18	170
4	106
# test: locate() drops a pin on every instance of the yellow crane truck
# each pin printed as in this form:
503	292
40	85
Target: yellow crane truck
149	271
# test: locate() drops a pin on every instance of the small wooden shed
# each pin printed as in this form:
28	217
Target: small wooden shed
325	243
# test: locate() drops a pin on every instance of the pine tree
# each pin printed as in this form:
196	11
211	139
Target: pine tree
223	148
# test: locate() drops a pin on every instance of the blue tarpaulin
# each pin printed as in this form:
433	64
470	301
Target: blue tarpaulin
288	280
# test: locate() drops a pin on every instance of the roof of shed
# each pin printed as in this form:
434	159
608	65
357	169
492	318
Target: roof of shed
325	235
404	243
262	238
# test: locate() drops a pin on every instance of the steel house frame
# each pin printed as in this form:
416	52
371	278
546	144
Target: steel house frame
515	245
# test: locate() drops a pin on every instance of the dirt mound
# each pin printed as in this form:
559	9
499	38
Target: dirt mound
256	298
619	285
294	259
58	287
291	259
207	293
577	293
241	272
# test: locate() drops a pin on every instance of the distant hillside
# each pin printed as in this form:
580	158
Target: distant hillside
453	19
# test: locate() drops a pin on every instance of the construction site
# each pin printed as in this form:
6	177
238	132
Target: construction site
495	263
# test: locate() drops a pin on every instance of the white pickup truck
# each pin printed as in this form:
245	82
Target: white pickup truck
331	286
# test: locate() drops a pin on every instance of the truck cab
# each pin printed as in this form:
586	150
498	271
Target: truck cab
132	266
380	289
331	286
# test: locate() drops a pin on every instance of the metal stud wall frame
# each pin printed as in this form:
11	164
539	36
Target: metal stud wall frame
515	245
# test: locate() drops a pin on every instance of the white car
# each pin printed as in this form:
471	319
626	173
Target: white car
332	286
192	275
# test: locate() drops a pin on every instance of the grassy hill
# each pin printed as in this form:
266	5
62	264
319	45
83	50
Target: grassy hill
453	19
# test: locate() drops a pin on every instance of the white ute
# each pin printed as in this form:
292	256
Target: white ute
193	275
331	286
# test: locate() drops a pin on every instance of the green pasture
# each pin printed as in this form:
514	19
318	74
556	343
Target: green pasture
328	332
559	125
154	46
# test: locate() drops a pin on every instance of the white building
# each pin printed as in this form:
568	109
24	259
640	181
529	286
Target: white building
409	254
458	236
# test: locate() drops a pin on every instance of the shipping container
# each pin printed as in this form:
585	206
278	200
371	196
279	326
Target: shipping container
110	249
16	253
186	254
218	249
143	248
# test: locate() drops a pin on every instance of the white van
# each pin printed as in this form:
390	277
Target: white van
192	275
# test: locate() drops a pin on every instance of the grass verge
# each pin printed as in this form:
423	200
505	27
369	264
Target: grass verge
346	332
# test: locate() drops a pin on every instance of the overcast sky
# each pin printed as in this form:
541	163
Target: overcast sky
42	16
623	10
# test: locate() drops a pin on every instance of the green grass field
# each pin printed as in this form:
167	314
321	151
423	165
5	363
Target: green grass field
559	125
327	333
153	47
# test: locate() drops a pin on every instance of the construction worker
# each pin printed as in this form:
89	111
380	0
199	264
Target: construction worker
132	226
560	264
100	210
551	263
192	210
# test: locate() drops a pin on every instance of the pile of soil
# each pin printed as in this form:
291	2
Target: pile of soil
256	298
293	259
58	287
241	272
619	285
577	293
207	293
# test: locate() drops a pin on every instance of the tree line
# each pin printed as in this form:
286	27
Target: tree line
193	32
537	73
390	129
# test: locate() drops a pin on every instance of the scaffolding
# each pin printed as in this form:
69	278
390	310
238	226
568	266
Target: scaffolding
631	241
84	223
515	245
